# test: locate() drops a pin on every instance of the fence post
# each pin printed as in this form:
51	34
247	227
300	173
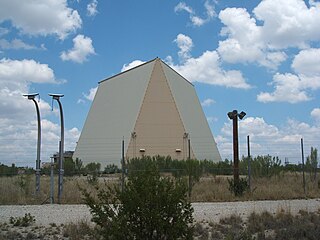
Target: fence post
304	180
52	182
122	166
249	163
189	152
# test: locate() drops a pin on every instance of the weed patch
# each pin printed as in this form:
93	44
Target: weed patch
24	221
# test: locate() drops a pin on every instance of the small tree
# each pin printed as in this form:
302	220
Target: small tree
193	171
150	207
93	168
69	167
312	163
78	165
111	168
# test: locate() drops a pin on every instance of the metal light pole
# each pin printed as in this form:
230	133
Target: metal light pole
249	162
51	182
32	97
61	170
234	117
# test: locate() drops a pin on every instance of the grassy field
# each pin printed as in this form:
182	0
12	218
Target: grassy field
21	189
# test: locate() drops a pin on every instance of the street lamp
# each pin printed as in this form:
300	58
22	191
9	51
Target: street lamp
32	97
234	117
61	144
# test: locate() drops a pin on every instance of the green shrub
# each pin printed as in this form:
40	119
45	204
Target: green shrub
238	188
150	207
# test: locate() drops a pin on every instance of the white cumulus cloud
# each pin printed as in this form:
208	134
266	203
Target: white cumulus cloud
288	88
307	62
206	69
91	94
182	6
267	139
15	44
288	23
294	88
18	124
315	113
45	17
92	8
19	73
133	64
82	48
245	41
282	24
16	76
207	102
185	45
195	19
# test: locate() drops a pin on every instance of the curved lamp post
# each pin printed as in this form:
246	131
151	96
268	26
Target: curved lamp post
61	144
234	117
32	97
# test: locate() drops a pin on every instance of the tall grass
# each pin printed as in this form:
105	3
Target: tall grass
21	189
284	186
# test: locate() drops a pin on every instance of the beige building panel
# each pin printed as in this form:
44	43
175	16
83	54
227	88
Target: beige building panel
192	115
159	129
159	113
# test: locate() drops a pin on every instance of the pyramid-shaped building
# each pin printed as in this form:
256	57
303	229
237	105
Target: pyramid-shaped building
154	109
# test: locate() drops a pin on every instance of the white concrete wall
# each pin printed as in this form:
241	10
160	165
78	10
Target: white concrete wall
112	116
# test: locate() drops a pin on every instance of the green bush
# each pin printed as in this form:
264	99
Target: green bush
238	188
150	207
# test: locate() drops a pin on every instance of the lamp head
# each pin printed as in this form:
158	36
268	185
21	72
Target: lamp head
55	96
31	95
242	114
233	114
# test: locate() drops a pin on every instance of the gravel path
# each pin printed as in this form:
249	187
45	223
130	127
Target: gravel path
46	214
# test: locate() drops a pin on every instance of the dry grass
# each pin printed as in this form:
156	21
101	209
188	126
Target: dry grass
80	230
21	189
284	186
262	226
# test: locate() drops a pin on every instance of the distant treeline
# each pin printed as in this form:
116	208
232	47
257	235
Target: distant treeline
261	166
13	170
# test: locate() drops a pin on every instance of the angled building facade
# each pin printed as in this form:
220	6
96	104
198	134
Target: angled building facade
154	109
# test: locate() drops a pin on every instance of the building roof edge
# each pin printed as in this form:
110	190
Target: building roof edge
127	70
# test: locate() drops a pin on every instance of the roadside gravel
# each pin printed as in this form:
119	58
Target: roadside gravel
203	212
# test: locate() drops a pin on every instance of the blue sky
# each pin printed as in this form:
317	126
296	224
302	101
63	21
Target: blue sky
261	57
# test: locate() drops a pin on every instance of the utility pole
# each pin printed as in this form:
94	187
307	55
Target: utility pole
249	163
302	156
61	146
234	117
51	182
134	139
122	166
189	149
185	145
32	97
